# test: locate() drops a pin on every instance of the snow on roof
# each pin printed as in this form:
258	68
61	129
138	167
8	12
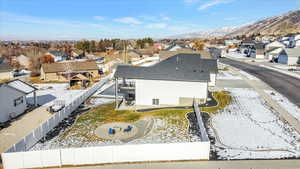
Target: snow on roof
21	86
276	44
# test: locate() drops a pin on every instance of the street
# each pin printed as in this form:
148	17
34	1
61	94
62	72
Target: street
286	85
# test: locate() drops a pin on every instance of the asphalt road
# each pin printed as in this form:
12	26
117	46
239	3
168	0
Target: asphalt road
286	85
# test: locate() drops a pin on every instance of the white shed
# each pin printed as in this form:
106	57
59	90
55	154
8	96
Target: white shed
13	99
176	81
290	56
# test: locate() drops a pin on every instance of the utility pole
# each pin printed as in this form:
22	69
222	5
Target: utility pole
125	52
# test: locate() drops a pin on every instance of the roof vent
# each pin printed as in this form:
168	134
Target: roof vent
176	68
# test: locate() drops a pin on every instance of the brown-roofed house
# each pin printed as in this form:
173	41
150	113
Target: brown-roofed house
65	70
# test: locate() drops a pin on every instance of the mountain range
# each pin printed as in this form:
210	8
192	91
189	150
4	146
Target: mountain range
277	25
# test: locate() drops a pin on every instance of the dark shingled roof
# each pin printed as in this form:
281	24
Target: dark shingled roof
180	67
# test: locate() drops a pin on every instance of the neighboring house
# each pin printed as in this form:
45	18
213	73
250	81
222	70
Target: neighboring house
288	41
177	80
13	99
137	54
166	54
274	45
273	53
247	47
6	71
289	56
216	53
247	43
259	51
64	71
58	56
77	54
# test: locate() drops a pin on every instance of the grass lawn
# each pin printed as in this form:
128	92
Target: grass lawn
223	99
89	121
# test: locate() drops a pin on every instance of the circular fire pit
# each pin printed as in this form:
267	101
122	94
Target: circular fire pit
116	131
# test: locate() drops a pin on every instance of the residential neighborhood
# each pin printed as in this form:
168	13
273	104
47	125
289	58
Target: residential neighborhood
160	84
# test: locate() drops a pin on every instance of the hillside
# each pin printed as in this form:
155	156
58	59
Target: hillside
278	25
219	32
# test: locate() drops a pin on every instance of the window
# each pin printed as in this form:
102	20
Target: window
18	101
155	101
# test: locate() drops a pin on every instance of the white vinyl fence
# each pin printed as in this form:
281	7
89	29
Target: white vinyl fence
17	157
31	139
204	135
107	154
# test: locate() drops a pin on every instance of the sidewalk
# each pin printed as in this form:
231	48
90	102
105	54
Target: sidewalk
22	127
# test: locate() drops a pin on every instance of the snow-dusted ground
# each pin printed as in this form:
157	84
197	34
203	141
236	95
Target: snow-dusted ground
226	75
293	109
249	129
100	101
48	93
161	132
236	55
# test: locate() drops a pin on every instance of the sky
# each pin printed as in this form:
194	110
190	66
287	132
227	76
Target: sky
128	19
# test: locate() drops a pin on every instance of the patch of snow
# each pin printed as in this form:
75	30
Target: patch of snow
226	75
249	129
293	109
100	101
48	93
236	55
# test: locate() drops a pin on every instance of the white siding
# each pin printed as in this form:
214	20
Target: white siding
212	80
7	97
293	60
168	92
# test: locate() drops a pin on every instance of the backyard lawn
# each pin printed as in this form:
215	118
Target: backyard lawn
157	126
90	120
